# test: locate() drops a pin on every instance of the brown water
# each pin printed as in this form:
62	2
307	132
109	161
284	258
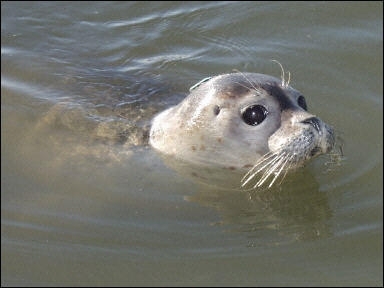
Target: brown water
81	207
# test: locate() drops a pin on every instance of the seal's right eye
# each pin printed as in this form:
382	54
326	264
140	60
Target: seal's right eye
254	115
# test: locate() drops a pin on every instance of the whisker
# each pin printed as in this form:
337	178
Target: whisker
259	162
287	169
287	161
272	166
249	81
278	173
283	82
276	162
253	173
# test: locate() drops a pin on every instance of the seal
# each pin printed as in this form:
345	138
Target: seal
243	121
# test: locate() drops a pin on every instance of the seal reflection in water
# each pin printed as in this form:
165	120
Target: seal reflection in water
245	121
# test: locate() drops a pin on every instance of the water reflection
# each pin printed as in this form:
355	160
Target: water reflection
294	210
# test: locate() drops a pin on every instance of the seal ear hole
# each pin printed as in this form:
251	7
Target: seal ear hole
254	115
302	103
216	110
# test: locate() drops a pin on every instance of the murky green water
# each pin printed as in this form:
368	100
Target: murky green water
80	207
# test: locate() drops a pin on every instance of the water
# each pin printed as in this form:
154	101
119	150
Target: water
80	207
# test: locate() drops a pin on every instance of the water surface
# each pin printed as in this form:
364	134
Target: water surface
81	207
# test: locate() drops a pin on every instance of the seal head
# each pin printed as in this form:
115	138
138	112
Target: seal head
240	121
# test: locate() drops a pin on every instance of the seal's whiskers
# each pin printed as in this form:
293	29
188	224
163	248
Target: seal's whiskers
270	164
271	170
277	174
251	173
249	81
283	82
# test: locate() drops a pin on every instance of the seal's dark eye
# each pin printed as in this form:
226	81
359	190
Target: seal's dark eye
302	103
254	115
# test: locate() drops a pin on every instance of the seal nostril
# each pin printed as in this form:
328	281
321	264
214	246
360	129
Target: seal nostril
216	110
314	122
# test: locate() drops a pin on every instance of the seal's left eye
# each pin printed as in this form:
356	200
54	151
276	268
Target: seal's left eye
254	115
302	103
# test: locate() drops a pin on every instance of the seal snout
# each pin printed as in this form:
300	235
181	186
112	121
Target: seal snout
326	137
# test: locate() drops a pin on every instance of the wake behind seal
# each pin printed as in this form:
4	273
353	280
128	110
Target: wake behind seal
242	121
